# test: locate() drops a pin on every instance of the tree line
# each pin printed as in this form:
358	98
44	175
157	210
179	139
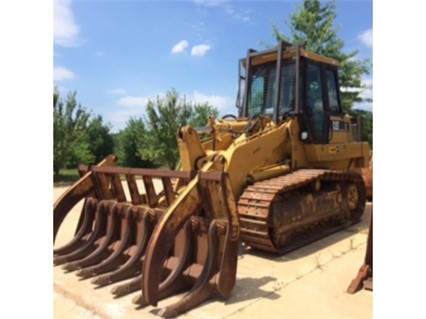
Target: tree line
148	141
83	137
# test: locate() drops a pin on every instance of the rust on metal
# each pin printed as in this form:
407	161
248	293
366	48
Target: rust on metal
364	278
213	245
78	191
367	175
193	237
284	213
116	221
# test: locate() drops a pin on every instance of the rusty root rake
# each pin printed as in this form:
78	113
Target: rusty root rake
182	238
364	277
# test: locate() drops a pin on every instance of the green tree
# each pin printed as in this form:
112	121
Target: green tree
164	117
70	143
100	139
131	141
201	113
313	23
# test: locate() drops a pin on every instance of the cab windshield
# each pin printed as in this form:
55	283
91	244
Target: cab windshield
262	89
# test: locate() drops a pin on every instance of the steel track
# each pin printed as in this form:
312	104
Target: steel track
255	209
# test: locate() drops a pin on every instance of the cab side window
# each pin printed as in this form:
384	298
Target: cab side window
315	101
332	92
315	104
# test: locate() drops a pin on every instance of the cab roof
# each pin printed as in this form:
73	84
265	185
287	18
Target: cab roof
269	56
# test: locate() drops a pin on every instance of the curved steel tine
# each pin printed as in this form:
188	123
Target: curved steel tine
209	193
174	282
132	267
128	287
81	189
118	257
93	242
162	239
105	243
202	288
83	233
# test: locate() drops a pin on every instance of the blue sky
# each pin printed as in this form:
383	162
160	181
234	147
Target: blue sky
119	54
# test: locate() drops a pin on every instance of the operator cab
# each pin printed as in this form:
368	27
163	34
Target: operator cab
308	88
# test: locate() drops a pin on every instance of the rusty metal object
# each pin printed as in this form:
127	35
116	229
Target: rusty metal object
128	264
284	213
195	242
115	223
213	249
367	175
81	189
364	278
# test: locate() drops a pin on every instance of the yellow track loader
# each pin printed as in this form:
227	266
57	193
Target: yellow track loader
280	175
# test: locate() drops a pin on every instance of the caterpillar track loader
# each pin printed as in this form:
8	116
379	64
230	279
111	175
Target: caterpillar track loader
279	176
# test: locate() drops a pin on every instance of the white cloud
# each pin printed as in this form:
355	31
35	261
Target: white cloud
60	74
180	46
220	102
65	30
119	118
197	50
200	49
351	90
133	101
134	106
367	38
367	90
125	108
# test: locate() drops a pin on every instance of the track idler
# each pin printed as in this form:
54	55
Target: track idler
196	245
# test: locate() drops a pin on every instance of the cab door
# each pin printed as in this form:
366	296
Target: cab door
314	104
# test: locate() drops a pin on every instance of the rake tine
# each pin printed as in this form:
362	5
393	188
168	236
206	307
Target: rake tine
103	250
93	241
202	289
127	287
174	282
163	237
208	202
133	265
81	236
81	189
118	257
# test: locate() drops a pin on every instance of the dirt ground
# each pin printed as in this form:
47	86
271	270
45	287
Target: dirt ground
310	282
